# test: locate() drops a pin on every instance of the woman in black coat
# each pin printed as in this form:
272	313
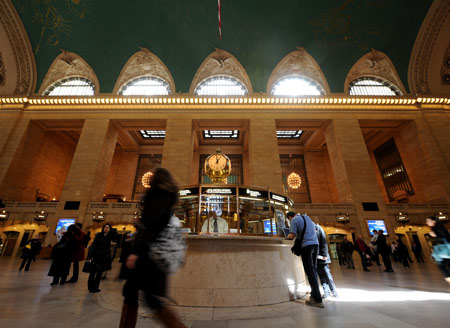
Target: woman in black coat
100	254
62	254
146	275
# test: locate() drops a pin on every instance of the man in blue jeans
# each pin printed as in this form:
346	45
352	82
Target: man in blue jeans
310	249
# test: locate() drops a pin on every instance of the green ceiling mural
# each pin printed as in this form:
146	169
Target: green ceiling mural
258	32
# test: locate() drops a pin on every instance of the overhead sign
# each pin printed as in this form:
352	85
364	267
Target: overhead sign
253	193
278	198
219	191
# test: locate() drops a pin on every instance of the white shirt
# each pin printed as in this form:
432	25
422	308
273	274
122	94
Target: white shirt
222	225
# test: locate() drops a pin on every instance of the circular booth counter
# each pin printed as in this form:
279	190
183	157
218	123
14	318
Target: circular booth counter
237	271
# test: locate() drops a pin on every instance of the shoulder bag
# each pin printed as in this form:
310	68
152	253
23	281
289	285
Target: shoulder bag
297	248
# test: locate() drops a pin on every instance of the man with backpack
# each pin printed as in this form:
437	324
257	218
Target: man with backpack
303	229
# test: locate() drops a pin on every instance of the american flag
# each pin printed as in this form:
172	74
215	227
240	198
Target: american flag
220	19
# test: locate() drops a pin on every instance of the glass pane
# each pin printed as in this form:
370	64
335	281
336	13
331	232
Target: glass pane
221	86
71	87
146	86
296	86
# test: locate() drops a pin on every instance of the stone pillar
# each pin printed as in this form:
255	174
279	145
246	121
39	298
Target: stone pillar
11	137
121	177
88	173
353	171
264	156
317	177
178	149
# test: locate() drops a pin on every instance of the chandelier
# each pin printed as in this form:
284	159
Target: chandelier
146	179
294	181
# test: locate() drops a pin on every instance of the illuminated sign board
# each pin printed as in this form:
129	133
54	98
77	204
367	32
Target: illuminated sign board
188	192
278	198
64	223
219	191
376	225
253	193
342	218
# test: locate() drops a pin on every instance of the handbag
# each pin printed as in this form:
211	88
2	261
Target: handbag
169	249
297	248
441	252
87	266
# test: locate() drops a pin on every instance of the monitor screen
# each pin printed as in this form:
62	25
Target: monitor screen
267	227
64	223
376	225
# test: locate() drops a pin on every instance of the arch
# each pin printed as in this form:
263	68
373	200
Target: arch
429	66
66	65
221	63
377	65
71	86
17	63
144	63
145	85
298	63
372	86
220	85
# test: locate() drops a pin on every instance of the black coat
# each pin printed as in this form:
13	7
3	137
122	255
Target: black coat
35	248
347	247
323	245
100	251
62	254
383	248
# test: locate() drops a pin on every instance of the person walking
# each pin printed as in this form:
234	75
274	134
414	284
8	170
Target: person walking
441	251
323	269
302	225
363	251
384	250
402	253
374	247
62	254
145	273
347	249
340	255
79	252
100	254
30	251
417	250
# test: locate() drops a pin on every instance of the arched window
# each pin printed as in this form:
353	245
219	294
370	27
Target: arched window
370	86
294	86
145	86
72	86
221	85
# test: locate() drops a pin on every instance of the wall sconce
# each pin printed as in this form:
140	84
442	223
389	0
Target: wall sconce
402	217
442	216
98	217
4	215
40	216
342	217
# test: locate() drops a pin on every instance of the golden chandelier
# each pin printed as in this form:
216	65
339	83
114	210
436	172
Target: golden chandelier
146	179
294	181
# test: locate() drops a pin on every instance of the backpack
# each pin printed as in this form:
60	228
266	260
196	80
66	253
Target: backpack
169	249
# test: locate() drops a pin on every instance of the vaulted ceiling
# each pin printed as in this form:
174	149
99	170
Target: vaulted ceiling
259	33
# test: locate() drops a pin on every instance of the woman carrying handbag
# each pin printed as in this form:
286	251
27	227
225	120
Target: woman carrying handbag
441	251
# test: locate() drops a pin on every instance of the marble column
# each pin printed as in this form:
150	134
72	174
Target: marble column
263	155
355	179
88	173
178	149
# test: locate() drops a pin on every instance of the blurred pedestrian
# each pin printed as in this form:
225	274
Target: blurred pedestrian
363	251
323	269
146	274
30	251
417	250
441	251
384	250
62	254
402	253
374	247
348	248
100	254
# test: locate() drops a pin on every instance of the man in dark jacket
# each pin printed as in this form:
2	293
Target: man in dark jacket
323	270
30	251
347	249
79	252
363	251
384	250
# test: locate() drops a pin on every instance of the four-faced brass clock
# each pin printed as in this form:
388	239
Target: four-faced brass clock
218	167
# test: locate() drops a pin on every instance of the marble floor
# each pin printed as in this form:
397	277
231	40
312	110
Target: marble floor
417	297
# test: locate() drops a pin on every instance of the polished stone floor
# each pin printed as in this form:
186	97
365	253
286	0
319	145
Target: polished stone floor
417	297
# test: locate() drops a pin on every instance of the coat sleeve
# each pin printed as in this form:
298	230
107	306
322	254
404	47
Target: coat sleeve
323	246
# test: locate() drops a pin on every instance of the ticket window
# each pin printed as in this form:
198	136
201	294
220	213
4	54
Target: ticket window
218	215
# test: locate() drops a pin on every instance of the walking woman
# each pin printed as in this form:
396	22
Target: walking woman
146	275
441	251
62	254
100	253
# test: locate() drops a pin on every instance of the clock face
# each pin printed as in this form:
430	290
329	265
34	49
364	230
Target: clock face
217	162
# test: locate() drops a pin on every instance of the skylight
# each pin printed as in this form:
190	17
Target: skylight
145	86
221	85
368	86
230	134
153	134
289	134
294	86
73	86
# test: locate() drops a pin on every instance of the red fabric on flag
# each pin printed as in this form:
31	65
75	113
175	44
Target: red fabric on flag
220	19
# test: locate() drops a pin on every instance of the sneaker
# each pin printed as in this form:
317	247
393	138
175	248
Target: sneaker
335	294
315	304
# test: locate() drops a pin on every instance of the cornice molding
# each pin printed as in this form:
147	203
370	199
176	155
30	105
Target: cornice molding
431	33
21	49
